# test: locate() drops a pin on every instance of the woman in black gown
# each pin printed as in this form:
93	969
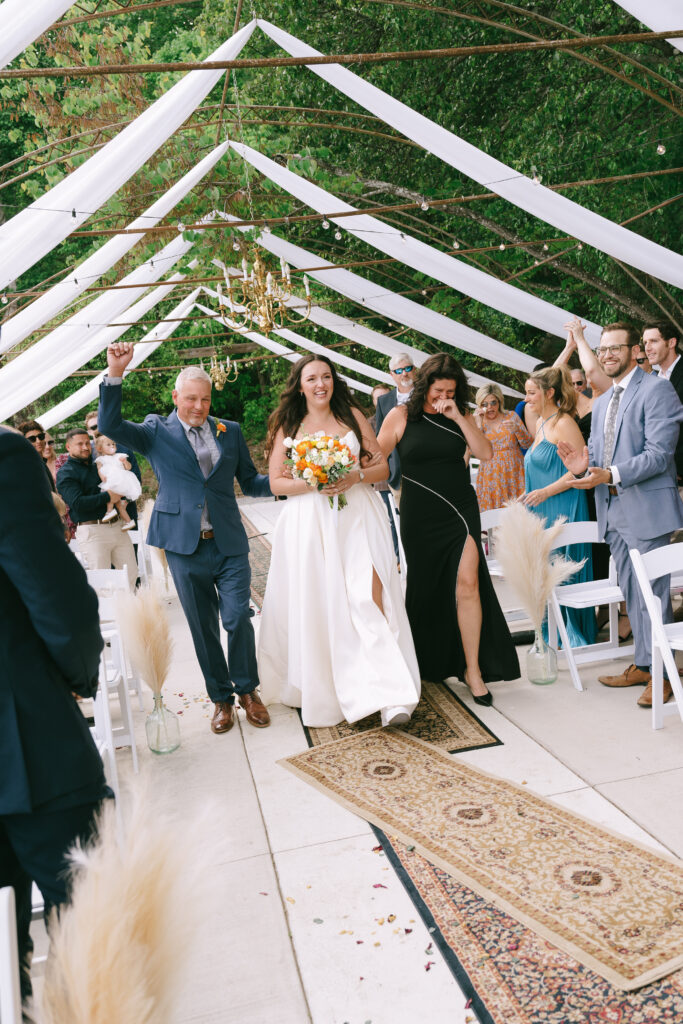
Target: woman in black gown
457	623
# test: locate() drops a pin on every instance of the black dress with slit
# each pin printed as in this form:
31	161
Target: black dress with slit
439	511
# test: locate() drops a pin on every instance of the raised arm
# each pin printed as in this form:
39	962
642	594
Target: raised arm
595	375
109	419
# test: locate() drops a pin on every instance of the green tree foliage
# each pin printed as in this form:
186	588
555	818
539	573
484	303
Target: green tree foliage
574	117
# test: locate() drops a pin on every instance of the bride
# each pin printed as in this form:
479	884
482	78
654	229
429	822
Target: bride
334	637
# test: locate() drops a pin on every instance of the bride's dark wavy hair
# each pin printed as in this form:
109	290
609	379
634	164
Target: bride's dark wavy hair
292	408
439	367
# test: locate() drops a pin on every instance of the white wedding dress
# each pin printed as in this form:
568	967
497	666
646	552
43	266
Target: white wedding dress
324	645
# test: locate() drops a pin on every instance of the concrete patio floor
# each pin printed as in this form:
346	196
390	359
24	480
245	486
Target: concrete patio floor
294	936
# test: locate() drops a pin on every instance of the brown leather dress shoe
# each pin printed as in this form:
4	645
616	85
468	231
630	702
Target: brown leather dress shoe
255	709
631	677
645	699
223	717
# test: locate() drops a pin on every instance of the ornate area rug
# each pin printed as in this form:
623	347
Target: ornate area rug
440	718
611	904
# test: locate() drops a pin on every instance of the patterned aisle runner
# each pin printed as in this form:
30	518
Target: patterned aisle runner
613	905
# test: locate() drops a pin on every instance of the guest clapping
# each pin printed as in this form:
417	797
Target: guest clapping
501	478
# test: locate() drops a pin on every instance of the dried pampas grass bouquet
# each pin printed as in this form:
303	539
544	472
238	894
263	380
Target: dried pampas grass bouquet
524	549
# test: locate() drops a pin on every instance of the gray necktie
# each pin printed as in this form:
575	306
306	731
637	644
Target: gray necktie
202	452
610	425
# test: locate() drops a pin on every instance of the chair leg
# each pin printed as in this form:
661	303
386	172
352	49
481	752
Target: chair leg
569	654
657	687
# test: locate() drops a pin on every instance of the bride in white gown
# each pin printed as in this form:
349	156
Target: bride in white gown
334	637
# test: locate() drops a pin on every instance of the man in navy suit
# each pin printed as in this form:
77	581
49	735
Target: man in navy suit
51	778
401	369
196	521
660	341
630	463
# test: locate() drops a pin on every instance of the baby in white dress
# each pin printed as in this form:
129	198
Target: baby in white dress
117	478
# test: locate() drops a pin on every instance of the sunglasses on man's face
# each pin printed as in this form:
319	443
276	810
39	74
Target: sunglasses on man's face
642	360
403	369
35	437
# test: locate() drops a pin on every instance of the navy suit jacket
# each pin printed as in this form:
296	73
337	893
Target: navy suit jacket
646	435
176	521
385	403
50	644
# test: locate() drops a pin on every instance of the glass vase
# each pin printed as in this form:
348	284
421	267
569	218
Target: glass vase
162	728
541	662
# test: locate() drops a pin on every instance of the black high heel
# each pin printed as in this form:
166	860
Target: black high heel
485	700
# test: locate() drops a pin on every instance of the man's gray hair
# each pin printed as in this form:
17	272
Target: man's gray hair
188	374
400	357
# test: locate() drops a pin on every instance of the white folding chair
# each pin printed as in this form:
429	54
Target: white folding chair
589	594
10	990
489	521
116	676
667	637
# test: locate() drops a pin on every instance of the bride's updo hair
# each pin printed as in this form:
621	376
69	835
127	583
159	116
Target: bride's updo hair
292	408
439	367
557	378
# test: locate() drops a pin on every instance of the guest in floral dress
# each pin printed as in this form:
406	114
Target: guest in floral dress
500	479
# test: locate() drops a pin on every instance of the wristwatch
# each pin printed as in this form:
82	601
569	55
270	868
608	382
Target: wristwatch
361	474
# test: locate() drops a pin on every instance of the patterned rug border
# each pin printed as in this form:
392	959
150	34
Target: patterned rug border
615	979
495	741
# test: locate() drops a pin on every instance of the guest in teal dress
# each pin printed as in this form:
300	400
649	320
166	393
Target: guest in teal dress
549	491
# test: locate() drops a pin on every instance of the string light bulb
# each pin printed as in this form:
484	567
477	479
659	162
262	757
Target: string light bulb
545	247
4	300
579	246
326	223
181	227
661	149
73	214
456	243
424	205
535	176
236	246
502	246
337	235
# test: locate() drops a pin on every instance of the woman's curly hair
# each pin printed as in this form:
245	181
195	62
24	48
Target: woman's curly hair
439	367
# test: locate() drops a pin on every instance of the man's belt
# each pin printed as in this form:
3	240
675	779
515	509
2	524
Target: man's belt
97	522
205	534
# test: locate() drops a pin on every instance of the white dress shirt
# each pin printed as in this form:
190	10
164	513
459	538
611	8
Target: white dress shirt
666	374
403	396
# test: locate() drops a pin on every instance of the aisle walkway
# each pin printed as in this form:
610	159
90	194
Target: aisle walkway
295	935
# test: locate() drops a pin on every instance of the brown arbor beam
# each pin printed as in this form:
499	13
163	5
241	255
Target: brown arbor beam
90	70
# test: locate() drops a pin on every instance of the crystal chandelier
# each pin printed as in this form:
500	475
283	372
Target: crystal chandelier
261	301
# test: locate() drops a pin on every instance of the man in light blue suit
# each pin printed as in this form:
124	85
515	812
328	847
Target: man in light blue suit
196	521
630	463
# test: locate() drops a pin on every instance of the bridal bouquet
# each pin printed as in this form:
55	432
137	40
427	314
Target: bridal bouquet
319	460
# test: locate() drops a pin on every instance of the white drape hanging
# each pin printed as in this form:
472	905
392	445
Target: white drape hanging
31	234
87	273
373	296
548	206
311	346
143	348
22	21
506	298
373	340
659	15
79	339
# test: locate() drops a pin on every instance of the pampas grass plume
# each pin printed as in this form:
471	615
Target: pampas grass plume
523	546
118	950
147	635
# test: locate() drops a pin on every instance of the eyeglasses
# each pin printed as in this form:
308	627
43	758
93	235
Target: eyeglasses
49	443
490	405
611	350
403	369
35	437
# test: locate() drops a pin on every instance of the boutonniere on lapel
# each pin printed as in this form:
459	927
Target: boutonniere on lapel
220	428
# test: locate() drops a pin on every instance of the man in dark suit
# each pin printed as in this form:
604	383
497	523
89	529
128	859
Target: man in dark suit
196	521
401	369
51	778
660	341
629	461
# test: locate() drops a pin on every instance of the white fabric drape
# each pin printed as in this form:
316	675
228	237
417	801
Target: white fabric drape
79	339
548	206
87	273
659	15
31	234
22	21
143	348
373	340
435	264
373	296
311	346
